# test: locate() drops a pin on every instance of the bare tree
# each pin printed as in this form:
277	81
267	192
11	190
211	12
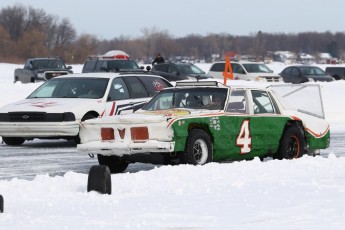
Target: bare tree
31	44
83	47
6	45
13	20
149	39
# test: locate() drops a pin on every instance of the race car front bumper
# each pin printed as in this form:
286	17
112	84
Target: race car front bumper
39	129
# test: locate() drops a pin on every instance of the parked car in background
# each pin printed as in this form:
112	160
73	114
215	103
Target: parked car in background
112	61
179	71
337	72
248	71
304	73
55	109
200	122
41	69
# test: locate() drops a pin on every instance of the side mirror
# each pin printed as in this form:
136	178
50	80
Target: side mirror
69	67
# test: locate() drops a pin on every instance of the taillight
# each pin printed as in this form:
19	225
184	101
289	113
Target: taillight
139	134
107	134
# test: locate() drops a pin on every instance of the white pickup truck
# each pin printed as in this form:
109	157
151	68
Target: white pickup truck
248	71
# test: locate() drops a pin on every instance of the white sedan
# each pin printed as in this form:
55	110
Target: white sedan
56	108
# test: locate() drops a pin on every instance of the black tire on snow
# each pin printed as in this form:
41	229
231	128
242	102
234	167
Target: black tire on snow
198	148
292	144
115	164
1	204
99	179
14	141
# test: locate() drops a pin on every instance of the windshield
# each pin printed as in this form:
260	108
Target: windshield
189	69
257	68
122	64
74	87
191	98
312	71
48	64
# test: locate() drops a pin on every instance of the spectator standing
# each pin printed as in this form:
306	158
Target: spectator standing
158	59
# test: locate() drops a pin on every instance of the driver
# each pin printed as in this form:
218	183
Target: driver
216	102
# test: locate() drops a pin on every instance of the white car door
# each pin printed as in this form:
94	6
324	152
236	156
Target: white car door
125	96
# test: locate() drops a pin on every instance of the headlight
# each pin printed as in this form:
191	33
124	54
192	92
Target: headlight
40	75
260	79
311	80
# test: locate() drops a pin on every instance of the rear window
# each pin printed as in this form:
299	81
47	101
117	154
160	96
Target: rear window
115	65
162	68
109	65
155	84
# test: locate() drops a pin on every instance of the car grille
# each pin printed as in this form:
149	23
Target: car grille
273	79
36	117
27	117
49	75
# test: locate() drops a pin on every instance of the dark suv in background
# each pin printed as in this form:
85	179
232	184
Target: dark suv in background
337	72
179	71
112	61
99	64
304	73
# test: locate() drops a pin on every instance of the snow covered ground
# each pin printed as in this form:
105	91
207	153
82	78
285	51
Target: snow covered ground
308	193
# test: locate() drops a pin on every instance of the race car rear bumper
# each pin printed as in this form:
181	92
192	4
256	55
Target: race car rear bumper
120	148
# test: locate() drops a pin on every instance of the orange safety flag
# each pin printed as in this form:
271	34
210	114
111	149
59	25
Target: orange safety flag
228	70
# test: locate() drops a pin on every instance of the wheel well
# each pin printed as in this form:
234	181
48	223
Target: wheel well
336	76
202	127
90	113
296	124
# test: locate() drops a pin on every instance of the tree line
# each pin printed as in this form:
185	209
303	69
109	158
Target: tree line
27	32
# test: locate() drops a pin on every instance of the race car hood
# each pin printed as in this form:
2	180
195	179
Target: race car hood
47	105
144	117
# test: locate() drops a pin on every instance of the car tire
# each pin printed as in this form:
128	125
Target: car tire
198	148
115	164
1	204
99	179
14	141
292	144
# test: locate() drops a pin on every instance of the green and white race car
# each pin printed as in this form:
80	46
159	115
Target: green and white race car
205	121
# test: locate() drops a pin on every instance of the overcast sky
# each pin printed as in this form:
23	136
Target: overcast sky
108	19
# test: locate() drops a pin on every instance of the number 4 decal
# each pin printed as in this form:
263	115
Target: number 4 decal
244	140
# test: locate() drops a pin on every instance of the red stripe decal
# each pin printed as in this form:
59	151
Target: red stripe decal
316	134
112	109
